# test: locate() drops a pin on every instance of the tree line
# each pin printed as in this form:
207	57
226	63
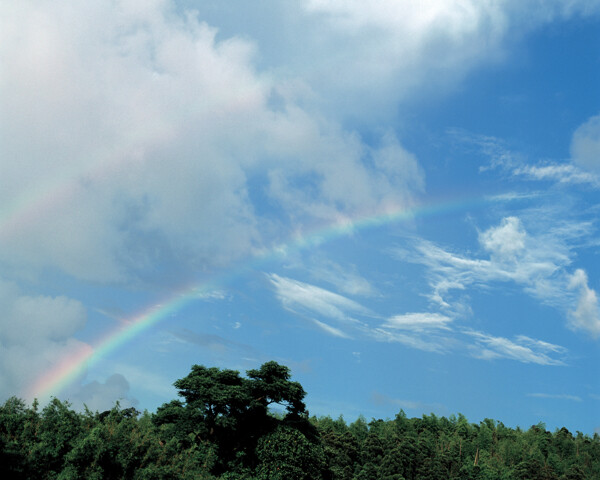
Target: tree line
224	427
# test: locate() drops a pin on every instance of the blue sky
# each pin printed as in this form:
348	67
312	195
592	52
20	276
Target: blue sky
397	200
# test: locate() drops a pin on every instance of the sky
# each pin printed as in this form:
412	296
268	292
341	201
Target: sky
397	200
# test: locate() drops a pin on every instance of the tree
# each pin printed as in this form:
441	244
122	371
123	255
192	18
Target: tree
271	384
59	429
232	412
286	454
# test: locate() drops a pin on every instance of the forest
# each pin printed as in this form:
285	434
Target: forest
228	426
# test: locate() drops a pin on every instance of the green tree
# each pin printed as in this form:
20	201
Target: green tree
286	454
58	432
232	412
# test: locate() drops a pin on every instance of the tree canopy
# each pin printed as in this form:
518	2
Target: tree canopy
229	426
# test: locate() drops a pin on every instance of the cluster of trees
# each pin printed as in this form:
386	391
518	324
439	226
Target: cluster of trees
223	428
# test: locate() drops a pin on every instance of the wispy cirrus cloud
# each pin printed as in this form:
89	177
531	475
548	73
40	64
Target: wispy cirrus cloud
521	348
556	396
512	256
537	262
426	331
306	298
419	321
346	279
382	399
416	330
427	341
565	173
582	168
336	332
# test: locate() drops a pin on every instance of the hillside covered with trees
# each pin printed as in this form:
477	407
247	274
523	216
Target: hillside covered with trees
223	427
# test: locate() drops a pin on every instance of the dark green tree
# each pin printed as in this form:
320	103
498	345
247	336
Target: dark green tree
286	454
232	412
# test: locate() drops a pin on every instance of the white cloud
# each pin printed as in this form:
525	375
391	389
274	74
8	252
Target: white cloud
143	379
427	331
586	316
565	173
582	169
133	137
36	332
419	322
557	396
375	52
336	332
536	261
37	335
382	399
585	145
303	297
98	396
345	278
309	300
212	295
522	349
539	345
428	341
505	241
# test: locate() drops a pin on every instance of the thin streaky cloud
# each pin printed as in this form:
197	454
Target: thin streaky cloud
425	342
381	399
419	321
556	396
565	173
294	294
427	331
336	332
536	261
345	278
489	347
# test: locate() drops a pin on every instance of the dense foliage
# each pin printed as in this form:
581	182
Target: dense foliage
223	428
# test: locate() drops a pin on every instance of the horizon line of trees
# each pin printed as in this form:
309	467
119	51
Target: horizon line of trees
223	427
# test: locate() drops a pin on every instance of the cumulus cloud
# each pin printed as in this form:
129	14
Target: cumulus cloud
133	137
505	241
36	332
585	145
101	396
586	315
395	49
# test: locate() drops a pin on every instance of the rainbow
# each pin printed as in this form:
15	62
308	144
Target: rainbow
72	367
